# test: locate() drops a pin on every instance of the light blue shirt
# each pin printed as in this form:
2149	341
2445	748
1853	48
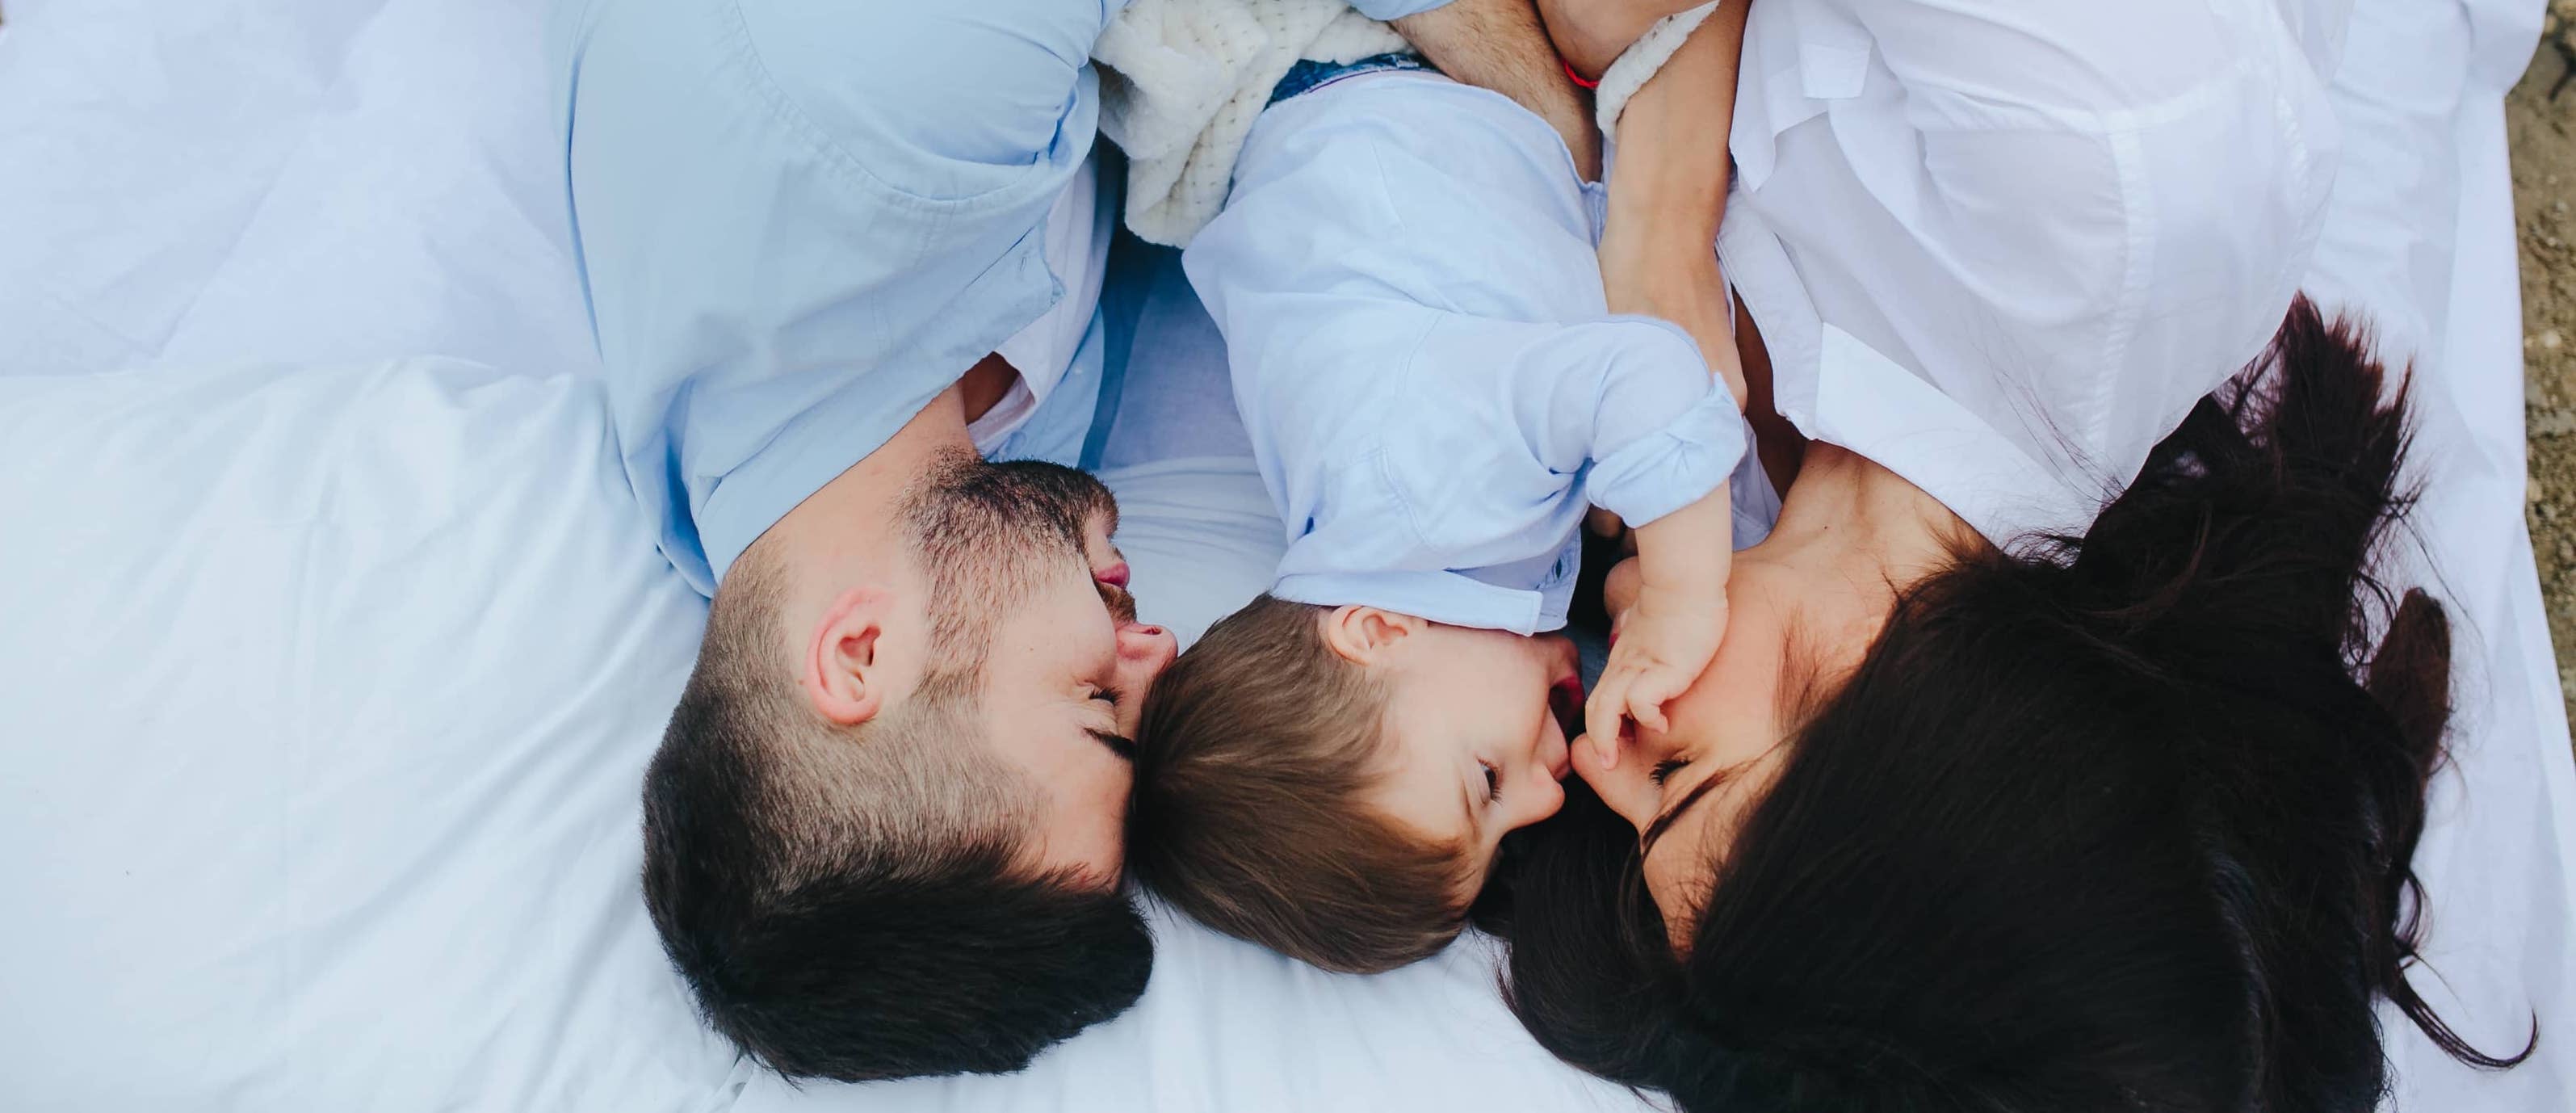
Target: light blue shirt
800	221
1405	277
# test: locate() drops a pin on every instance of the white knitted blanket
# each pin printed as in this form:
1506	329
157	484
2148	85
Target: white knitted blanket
1182	81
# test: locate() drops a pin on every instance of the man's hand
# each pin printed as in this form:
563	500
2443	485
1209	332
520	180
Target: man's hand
1499	45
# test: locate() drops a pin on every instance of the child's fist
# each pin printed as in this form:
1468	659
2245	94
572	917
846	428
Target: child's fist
1657	650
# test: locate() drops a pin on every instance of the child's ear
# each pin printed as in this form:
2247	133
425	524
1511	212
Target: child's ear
1366	635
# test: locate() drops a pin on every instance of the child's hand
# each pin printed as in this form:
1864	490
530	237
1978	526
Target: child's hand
1668	635
1659	648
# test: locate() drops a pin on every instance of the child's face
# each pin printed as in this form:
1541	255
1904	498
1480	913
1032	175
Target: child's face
1478	724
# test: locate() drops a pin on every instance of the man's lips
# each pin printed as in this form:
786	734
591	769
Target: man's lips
1115	575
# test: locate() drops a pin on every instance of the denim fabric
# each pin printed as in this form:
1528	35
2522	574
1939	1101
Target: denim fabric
1306	77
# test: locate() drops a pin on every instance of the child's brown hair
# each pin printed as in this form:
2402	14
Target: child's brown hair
1256	753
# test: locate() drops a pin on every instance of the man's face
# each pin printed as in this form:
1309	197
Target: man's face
1066	664
1064	685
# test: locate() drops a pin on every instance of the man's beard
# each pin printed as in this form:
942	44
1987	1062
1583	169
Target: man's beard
988	534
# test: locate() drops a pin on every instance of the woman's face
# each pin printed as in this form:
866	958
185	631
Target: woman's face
1688	788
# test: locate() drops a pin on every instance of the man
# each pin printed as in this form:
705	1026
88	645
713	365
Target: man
837	254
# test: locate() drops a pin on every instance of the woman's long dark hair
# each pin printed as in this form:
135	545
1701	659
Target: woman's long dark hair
2115	822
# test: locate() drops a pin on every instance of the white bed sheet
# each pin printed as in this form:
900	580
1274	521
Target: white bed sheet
325	730
305	181
329	687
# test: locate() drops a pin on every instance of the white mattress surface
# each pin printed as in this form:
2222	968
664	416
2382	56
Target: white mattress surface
334	665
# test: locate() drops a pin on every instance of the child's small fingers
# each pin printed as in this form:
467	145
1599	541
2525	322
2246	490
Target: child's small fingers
1650	715
1648	710
1601	716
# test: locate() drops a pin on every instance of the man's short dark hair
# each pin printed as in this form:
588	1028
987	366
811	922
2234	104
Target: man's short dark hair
850	904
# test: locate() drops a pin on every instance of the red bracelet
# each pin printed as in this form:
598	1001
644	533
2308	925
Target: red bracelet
1574	77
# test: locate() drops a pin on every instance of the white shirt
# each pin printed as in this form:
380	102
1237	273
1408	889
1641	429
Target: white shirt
1405	278
2002	246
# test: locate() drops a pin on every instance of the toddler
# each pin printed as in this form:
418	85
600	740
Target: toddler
1436	393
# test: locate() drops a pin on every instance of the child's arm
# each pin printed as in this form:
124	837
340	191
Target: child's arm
1658	257
1661	644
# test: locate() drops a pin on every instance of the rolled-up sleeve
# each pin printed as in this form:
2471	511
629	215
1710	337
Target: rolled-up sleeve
1494	416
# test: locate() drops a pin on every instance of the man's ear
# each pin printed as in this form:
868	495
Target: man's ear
1365	635
842	667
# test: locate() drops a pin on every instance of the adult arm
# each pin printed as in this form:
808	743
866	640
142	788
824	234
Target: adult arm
1500	45
1658	246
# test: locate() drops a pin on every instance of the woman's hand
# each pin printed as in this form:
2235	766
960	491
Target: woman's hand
1590	34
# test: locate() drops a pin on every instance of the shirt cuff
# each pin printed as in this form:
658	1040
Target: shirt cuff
1674	466
1395	9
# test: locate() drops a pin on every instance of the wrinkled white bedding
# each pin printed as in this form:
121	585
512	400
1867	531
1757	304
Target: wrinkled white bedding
331	669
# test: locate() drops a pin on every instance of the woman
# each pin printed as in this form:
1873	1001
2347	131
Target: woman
1999	795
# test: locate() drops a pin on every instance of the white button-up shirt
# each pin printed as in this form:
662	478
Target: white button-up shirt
2002	246
1404	274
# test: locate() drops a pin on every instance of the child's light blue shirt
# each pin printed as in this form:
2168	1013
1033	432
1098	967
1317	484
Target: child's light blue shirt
1405	277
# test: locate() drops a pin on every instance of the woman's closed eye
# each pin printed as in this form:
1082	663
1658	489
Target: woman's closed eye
1664	770
1493	782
